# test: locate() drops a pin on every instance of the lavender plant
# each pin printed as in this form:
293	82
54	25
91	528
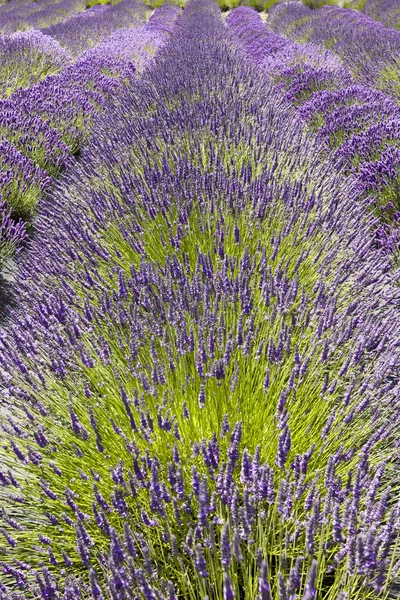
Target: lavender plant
369	50
25	14
386	11
361	125
88	29
36	147
199	382
28	57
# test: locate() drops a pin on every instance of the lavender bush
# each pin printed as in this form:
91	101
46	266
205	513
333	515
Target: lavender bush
200	380
28	57
88	29
386	11
369	50
44	125
361	125
25	14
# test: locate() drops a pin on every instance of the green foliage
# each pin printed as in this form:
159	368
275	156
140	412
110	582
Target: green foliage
260	5
355	4
90	3
319	3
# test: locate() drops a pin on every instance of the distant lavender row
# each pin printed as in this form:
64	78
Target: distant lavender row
368	49
45	124
64	106
12	234
386	11
33	15
133	45
28	57
89	28
361	125
198	385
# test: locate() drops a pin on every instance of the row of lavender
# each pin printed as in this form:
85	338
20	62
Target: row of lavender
29	56
370	50
386	11
361	126
200	377
90	28
26	14
44	125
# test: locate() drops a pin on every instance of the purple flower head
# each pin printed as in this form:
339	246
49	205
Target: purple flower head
229	593
294	577
282	587
200	562
310	591
236	549
117	552
246	471
236	436
284	445
226	555
263	583
224	427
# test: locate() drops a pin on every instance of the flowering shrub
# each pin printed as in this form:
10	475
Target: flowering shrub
42	126
370	50
200	382
361	125
25	14
28	57
88	29
386	11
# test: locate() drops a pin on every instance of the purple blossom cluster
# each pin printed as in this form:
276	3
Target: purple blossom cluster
370	50
44	125
88	29
199	383
25	14
131	49
28	57
385	11
361	125
299	70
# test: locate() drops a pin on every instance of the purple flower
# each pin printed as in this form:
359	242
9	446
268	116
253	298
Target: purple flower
229	593
263	584
224	427
226	556
200	562
310	591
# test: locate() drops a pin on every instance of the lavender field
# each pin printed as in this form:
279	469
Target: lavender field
199	300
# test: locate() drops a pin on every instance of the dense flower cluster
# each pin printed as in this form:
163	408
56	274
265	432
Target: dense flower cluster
370	50
386	11
91	27
130	50
28	57
42	126
25	14
361	125
199	384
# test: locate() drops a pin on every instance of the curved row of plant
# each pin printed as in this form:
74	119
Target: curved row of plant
199	380
370	50
361	126
27	57
90	28
45	125
26	14
385	11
